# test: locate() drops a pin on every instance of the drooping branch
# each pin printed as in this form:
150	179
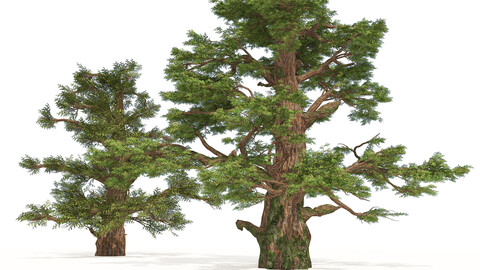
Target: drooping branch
254	230
322	210
342	205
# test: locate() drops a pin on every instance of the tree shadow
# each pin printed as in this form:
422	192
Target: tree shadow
187	261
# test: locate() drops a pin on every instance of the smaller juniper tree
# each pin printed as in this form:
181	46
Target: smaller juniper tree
104	111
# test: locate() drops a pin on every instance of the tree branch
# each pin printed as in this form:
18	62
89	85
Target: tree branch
308	212
205	160
210	148
320	100
245	140
319	70
194	112
187	65
67	120
267	75
322	112
254	230
244	87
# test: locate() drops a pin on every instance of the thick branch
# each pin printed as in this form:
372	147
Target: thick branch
322	112
320	100
308	212
254	230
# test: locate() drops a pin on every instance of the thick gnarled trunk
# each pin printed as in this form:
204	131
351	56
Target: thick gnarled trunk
285	240
112	243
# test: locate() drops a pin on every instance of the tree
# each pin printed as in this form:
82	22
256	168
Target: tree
104	111
312	65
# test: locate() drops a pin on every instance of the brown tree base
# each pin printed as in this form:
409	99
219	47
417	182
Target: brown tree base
112	243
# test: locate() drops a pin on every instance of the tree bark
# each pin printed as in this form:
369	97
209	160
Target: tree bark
285	238
112	243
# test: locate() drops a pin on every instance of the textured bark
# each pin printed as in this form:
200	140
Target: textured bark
283	235
112	243
285	239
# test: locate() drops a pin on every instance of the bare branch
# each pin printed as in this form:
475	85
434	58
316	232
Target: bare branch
308	212
358	146
244	87
47	217
254	230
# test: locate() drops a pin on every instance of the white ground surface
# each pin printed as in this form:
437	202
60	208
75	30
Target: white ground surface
366	259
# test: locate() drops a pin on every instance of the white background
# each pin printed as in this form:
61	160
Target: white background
429	61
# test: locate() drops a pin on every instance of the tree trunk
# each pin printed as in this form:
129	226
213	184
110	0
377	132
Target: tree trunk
283	235
285	238
112	243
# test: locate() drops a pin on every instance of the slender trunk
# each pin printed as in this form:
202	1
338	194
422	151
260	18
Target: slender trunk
113	242
285	238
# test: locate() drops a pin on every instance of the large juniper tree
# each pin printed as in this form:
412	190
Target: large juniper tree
104	111
306	52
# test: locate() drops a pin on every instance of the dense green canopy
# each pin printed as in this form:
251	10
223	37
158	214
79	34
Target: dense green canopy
104	111
331	65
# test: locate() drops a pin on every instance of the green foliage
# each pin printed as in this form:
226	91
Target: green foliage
104	111
332	57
